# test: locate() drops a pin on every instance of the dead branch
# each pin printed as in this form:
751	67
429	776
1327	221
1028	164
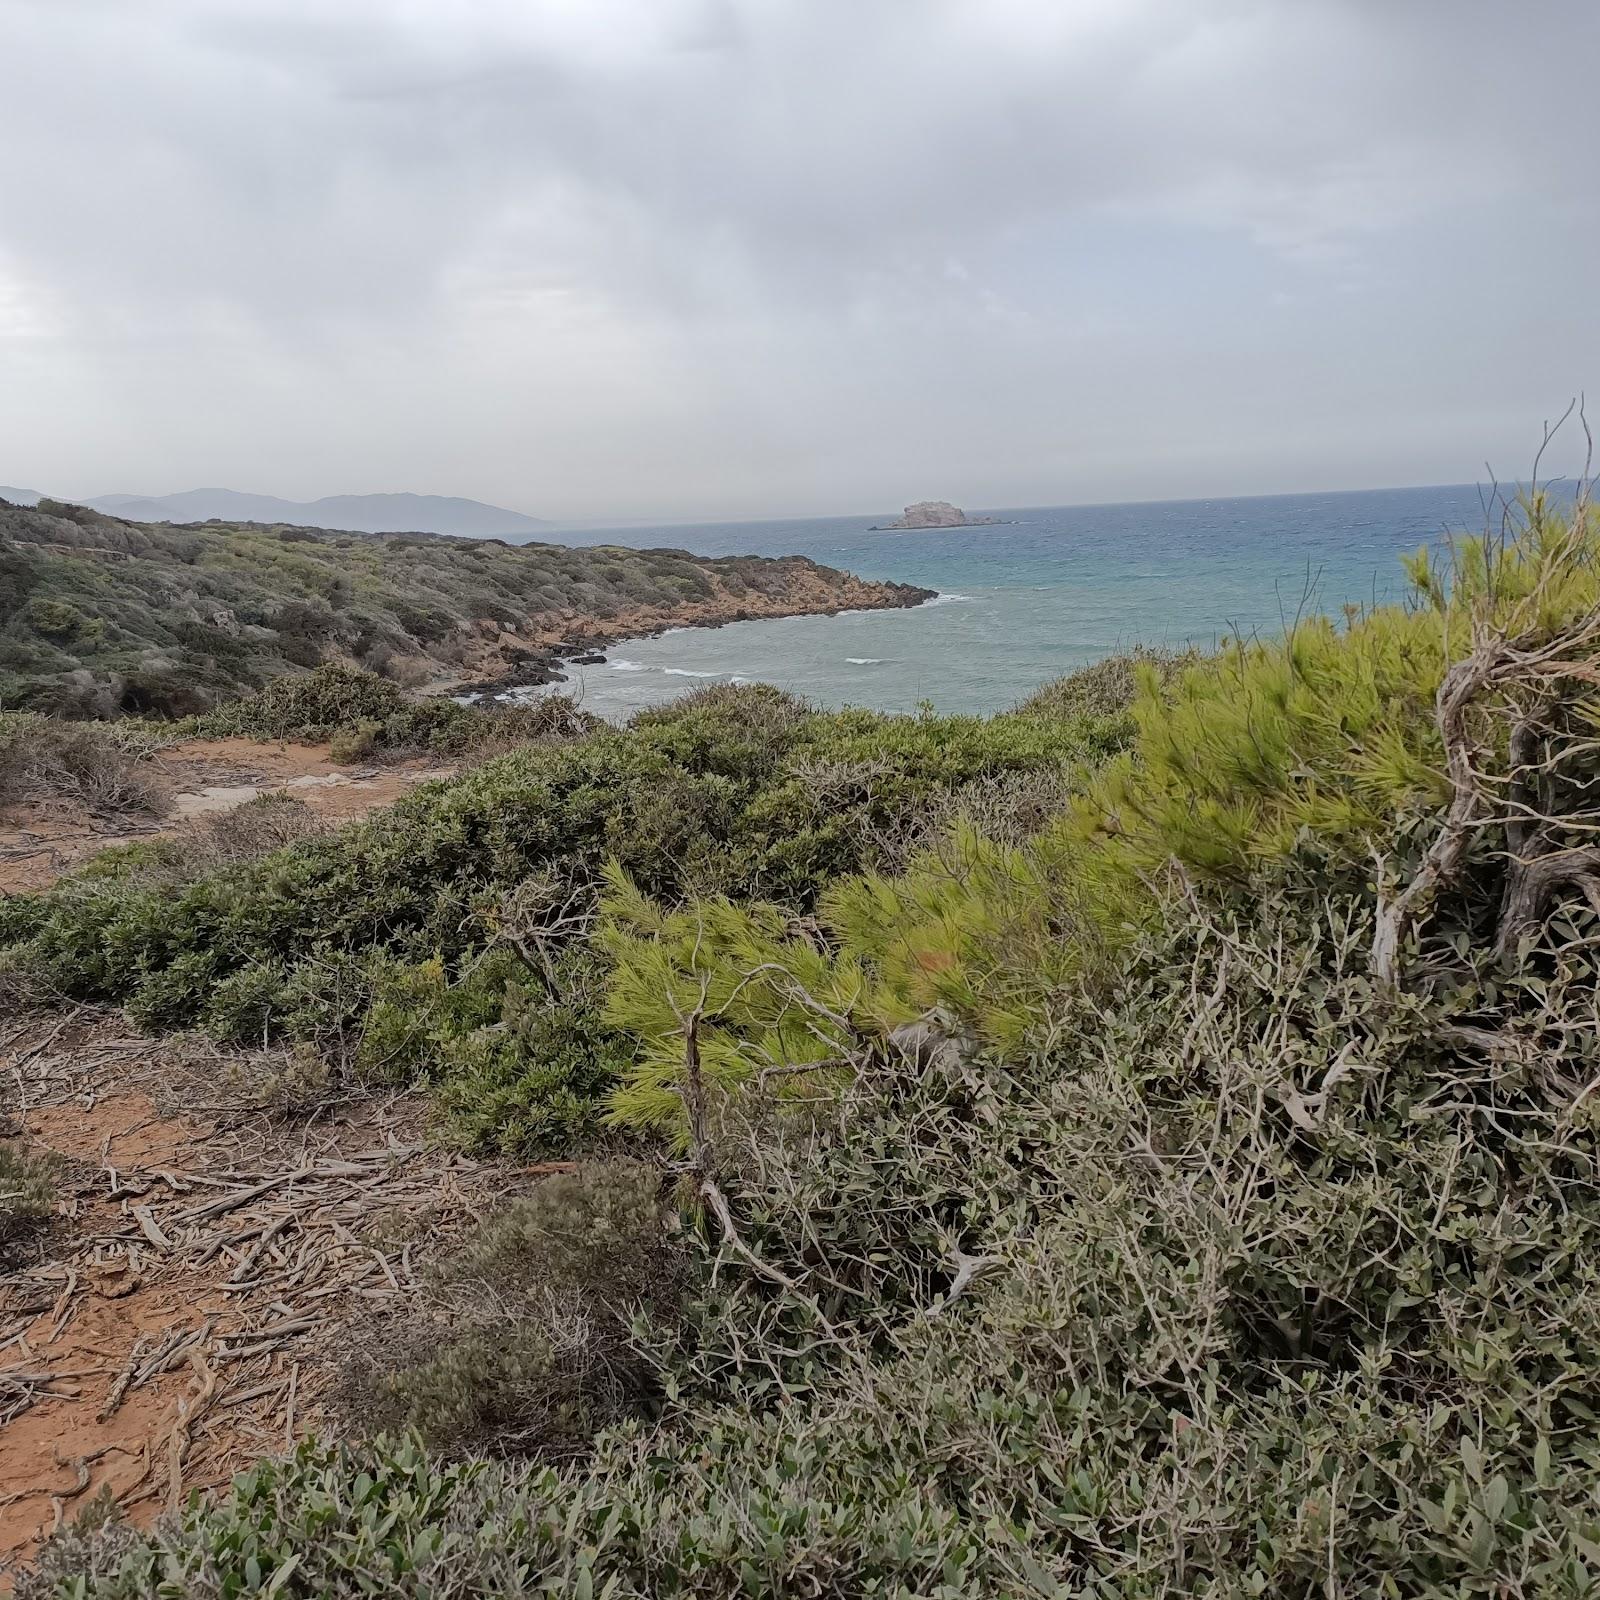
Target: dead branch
1460	686
1531	883
694	1100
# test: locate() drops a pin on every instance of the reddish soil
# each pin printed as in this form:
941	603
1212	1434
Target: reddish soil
177	1319
39	843
63	1449
180	1316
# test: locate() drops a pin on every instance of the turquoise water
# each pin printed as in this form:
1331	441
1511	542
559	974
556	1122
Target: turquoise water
1019	605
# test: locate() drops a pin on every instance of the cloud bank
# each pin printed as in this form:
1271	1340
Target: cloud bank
680	258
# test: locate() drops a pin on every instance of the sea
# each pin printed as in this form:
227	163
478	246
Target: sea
1050	589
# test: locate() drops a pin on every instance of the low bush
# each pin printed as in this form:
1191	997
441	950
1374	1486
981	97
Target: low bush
309	706
524	1347
716	795
268	823
27	1197
200	846
358	743
1108	687
518	1054
363	716
106	771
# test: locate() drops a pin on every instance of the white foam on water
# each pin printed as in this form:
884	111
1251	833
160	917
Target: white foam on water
950	599
620	665
688	672
865	661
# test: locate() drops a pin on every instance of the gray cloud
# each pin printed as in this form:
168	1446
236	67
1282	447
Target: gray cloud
680	257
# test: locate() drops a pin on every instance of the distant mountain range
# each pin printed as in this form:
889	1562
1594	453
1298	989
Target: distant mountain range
360	513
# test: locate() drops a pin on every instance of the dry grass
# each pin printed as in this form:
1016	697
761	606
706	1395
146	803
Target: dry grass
106	772
206	844
257	828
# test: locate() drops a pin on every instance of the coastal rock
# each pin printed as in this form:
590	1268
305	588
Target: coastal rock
455	610
935	514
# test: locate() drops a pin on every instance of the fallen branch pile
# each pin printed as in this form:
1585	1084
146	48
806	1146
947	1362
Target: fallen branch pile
188	1310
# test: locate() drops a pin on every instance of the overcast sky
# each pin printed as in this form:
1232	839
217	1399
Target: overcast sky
712	258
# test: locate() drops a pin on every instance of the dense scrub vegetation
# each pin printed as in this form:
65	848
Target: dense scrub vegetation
1190	1191
443	938
100	617
543	1360
363	715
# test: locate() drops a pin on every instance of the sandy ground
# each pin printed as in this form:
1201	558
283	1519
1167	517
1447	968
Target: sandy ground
39	843
181	1315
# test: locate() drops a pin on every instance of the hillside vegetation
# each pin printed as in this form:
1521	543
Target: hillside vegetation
1110	1150
101	617
444	937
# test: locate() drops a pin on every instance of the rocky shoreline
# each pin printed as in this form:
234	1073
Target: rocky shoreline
165	621
526	664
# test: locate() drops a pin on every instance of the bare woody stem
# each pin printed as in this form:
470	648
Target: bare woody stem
694	1101
1460	687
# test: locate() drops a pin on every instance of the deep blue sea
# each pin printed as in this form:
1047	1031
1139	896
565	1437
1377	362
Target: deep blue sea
1021	604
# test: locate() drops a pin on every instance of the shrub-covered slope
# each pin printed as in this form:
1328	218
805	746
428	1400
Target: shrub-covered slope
445	936
1195	1194
100	616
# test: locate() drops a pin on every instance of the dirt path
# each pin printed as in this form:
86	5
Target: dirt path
181	1315
208	776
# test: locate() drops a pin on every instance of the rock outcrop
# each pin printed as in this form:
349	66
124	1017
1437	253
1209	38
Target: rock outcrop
935	514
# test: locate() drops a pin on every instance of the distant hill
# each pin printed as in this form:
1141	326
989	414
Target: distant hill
18	497
100	615
354	513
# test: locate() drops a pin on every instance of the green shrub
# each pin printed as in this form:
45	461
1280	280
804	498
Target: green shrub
717	795
55	619
27	1197
525	1345
362	715
1108	687
307	707
444	727
358	743
757	1000
538	1078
